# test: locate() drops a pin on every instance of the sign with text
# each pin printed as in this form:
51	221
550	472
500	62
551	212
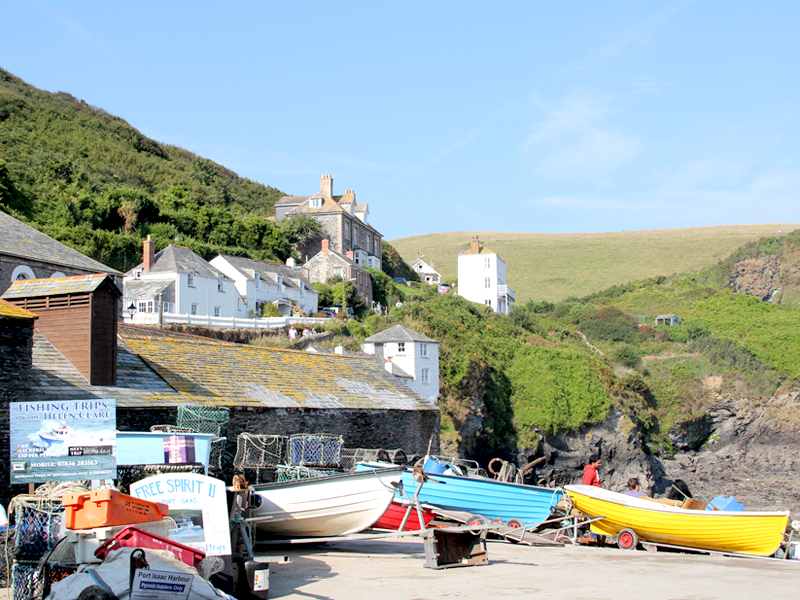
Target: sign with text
198	505
149	584
66	440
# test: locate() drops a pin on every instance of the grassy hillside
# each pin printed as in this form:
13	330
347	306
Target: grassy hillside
553	267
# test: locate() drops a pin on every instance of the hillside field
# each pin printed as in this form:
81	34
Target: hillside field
552	267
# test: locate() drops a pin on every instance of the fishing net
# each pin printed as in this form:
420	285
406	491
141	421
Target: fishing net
286	473
352	456
315	450
204	419
38	521
259	451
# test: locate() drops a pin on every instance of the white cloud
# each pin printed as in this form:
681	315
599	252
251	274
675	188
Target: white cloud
575	142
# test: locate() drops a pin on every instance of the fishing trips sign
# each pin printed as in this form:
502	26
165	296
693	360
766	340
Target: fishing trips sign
66	440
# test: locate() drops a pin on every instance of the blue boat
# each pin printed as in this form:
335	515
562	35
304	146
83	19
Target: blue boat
478	495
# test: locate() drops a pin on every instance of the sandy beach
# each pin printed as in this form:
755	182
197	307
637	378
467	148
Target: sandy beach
393	570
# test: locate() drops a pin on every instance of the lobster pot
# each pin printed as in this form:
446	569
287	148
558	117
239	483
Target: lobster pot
294	473
259	451
204	419
26	581
316	450
353	456
38	520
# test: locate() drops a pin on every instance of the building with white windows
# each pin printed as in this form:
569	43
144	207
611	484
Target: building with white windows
180	282
344	221
260	283
410	356
426	272
482	278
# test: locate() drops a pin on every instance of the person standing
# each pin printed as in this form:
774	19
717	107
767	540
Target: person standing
590	471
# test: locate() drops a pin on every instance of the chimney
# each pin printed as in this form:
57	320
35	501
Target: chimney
326	185
149	253
351	255
326	245
475	246
388	366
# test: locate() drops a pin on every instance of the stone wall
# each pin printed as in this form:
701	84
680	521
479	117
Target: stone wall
16	349
40	270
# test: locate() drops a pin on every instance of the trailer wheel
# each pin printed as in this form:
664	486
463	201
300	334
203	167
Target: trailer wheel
515	523
627	539
477	521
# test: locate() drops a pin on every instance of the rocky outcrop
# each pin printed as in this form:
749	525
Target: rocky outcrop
759	277
752	452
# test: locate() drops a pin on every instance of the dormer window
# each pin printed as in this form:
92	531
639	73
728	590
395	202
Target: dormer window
302	289
221	283
190	278
280	283
315	203
258	280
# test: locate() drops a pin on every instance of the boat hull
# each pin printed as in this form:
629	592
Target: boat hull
326	506
488	498
393	517
743	532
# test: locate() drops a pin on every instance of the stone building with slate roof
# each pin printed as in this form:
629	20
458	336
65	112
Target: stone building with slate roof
344	221
26	253
330	263
260	283
410	354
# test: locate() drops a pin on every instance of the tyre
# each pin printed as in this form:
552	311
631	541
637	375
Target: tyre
515	523
627	539
477	521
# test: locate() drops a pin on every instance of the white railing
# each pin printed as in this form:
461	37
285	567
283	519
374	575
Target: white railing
504	290
218	322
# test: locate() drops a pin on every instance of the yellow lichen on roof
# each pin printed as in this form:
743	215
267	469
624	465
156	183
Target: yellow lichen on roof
236	374
11	311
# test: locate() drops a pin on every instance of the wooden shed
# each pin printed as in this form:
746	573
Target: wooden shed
78	315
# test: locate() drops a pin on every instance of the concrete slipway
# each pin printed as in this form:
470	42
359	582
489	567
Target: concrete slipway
392	570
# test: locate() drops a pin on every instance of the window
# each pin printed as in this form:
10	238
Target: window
377	247
142	307
194	308
315	203
258	280
487	282
221	283
216	311
169	307
423	349
22	277
347	231
487	302
280	283
302	289
190	278
338	271
425	375
487	262
401	347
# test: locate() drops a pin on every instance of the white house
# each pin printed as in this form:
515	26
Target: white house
482	278
409	355
427	274
260	283
182	282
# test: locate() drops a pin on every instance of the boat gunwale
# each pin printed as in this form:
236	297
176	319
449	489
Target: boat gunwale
259	487
625	501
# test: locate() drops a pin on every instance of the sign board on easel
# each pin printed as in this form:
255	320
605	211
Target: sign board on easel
198	505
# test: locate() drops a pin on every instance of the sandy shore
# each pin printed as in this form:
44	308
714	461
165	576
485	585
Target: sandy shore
393	570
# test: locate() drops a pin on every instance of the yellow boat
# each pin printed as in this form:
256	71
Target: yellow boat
657	521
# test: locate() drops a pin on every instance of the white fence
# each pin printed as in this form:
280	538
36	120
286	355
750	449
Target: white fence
218	322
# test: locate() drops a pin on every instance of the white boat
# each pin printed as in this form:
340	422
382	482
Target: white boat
57	435
326	506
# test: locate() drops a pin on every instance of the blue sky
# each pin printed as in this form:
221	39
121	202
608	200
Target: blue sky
547	117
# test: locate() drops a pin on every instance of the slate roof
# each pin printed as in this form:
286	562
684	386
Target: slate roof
156	368
56	286
398	333
236	374
179	259
11	311
148	288
248	266
23	241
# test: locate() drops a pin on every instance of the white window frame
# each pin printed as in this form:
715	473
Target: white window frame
217	310
425	376
190	278
221	283
258	280
487	282
487	263
488	303
194	308
401	347
315	203
423	349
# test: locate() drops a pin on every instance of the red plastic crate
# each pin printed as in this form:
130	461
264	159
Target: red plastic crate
133	537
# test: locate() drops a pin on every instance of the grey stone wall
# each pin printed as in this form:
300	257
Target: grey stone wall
16	349
40	270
